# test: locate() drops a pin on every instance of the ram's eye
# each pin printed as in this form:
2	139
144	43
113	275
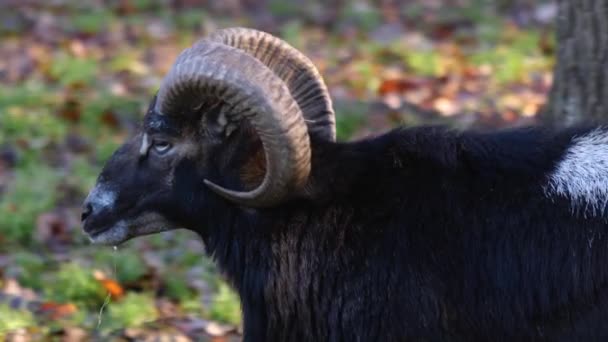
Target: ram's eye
161	146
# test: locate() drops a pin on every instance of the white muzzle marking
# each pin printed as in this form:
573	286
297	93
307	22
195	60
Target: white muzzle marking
101	197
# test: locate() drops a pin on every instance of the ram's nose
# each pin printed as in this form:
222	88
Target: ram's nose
101	198
87	210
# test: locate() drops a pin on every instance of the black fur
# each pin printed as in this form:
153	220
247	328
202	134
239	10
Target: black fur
422	234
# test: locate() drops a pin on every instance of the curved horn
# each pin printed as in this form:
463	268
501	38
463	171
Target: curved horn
251	91
295	69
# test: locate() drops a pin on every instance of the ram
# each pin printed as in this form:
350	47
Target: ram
422	233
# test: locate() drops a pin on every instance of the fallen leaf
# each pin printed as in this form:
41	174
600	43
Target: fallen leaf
53	228
70	111
113	287
110	119
57	310
396	86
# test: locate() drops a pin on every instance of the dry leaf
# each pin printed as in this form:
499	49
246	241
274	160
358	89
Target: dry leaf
57	310
113	287
396	86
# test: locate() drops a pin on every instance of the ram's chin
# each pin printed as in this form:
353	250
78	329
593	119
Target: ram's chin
123	230
112	236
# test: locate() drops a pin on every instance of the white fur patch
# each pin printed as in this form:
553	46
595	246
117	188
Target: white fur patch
582	175
101	197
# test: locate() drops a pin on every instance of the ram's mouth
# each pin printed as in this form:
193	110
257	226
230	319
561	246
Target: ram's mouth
110	235
123	230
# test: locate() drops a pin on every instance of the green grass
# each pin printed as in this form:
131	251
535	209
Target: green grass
89	21
291	31
27	95
74	283
32	192
283	8
176	287
226	306
362	15
35	127
83	174
349	119
14	319
131	311
512	57
424	63
125	265
30	268
70	70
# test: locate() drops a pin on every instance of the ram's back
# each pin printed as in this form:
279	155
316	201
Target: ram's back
477	234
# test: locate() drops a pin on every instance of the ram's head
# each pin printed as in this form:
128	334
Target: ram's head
233	118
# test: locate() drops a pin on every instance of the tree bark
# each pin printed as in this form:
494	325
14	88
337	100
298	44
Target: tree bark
580	88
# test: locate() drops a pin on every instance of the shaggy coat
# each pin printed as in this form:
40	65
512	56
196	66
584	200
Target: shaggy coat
420	234
423	234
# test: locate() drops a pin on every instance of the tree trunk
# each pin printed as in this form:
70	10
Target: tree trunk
580	88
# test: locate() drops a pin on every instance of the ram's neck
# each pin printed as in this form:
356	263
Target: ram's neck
235	241
280	259
270	259
290	267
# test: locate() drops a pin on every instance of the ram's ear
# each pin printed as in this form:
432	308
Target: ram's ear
217	123
254	168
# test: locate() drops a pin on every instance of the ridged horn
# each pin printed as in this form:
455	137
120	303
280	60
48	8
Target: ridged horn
296	70
211	70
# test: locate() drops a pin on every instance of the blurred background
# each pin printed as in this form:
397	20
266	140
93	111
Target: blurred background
76	77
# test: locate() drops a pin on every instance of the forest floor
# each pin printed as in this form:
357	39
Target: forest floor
75	80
